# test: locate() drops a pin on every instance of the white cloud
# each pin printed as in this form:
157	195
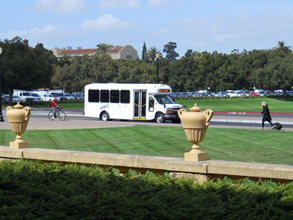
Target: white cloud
32	33
119	3
105	22
39	35
61	6
225	33
158	3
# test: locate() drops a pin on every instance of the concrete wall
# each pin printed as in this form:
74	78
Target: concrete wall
203	170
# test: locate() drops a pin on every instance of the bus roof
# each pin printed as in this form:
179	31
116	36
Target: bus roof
147	86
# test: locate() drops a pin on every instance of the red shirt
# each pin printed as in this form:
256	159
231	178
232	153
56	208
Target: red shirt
54	103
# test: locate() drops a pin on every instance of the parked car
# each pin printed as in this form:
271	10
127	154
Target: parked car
48	97
221	94
68	96
37	97
5	97
254	94
231	93
26	96
279	92
79	96
17	98
59	95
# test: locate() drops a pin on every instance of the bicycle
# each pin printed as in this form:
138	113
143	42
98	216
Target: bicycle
59	113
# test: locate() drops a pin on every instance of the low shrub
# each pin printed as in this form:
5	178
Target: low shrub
37	190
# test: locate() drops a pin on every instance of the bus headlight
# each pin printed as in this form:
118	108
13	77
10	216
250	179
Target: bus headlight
169	111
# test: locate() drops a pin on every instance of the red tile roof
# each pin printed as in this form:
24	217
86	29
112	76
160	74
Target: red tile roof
117	49
82	51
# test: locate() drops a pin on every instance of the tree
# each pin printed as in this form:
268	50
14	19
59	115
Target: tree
144	51
24	67
43	66
278	73
151	54
189	53
103	48
281	46
169	49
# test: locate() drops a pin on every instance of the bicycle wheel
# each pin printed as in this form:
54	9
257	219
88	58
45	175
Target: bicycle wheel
51	116
62	115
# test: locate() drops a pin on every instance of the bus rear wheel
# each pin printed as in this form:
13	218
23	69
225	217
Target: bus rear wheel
160	118
105	116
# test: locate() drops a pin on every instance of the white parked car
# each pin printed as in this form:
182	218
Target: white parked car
68	96
231	93
26	96
48	97
37	97
17	98
5	97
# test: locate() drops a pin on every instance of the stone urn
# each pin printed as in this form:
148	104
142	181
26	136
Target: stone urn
195	124
18	118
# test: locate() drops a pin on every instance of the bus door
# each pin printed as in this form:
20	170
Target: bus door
139	105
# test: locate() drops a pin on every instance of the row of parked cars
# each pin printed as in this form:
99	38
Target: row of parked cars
25	96
231	93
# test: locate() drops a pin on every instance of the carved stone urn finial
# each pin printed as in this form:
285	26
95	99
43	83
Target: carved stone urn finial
18	118
195	124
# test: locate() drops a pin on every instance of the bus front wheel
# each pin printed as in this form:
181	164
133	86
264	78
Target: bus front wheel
105	116
160	118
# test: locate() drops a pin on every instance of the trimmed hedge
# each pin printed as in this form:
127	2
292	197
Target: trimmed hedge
37	190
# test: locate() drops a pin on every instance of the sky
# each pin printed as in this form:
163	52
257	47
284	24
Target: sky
199	25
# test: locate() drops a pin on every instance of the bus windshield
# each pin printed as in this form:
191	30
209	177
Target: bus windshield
164	99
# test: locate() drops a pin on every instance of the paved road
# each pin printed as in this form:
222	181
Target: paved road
75	120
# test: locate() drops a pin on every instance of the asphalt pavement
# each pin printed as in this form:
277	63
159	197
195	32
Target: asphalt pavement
75	120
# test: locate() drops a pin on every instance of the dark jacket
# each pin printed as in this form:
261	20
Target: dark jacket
266	113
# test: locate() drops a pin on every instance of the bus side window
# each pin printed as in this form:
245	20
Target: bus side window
125	96
114	96
93	95
151	104
105	96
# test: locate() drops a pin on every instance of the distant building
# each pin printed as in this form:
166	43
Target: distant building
126	52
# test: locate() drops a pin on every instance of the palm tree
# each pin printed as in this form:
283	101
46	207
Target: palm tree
103	48
197	55
281	46
151	53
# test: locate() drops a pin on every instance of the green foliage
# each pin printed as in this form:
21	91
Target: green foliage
37	190
24	67
267	69
169	49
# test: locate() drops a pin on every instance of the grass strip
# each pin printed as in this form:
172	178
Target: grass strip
276	105
261	146
240	104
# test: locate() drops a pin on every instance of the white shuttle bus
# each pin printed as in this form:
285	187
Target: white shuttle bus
126	101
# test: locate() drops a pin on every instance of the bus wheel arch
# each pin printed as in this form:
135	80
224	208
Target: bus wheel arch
159	118
104	116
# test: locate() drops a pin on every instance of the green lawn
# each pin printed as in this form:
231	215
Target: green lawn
217	105
262	146
240	104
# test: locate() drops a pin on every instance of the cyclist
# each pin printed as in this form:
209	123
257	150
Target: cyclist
54	106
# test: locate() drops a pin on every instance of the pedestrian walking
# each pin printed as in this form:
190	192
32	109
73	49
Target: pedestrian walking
266	116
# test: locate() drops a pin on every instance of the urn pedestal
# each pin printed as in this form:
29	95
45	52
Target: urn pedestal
18	118
195	124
